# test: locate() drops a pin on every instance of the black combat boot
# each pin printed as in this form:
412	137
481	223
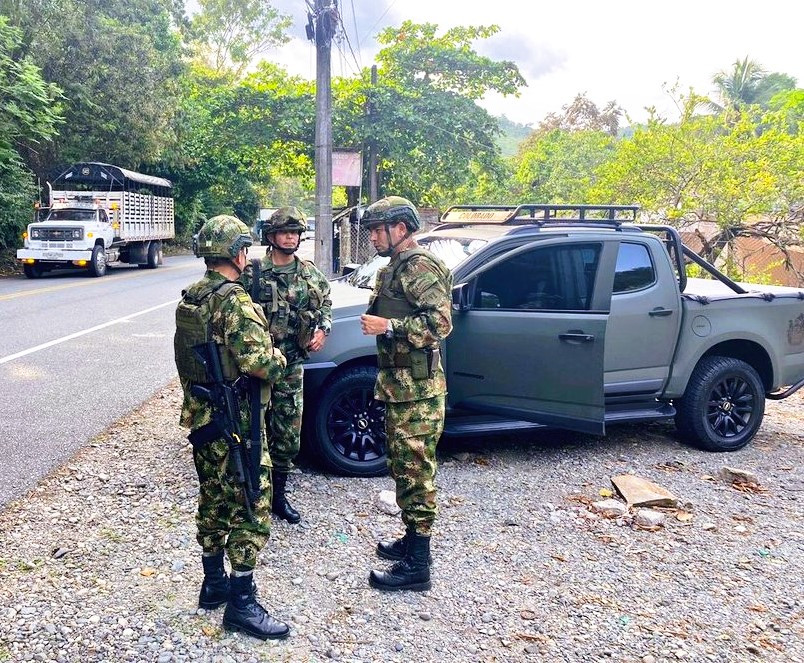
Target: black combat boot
412	572
279	503
393	550
396	549
243	613
215	588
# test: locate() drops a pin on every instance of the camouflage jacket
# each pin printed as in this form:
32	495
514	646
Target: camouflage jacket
296	301
240	329
425	284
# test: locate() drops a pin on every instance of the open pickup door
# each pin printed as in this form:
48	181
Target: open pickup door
529	333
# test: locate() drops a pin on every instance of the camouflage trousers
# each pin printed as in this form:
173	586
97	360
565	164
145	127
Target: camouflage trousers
221	519
284	419
413	429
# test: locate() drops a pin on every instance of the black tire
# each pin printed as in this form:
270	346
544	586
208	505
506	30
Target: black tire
723	405
346	427
154	255
34	271
97	263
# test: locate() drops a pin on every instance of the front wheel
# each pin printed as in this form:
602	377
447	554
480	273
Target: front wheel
32	271
723	405
97	263
346	428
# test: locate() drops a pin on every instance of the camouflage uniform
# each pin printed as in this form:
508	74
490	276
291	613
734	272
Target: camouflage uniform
296	301
241	331
414	406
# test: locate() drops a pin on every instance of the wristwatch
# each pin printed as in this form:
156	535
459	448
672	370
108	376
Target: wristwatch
389	330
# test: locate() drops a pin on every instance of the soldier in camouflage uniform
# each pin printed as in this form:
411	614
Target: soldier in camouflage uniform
295	297
410	313
217	308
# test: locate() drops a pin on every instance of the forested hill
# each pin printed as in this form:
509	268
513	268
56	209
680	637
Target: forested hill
512	136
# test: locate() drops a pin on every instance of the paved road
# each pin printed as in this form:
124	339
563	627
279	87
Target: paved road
76	354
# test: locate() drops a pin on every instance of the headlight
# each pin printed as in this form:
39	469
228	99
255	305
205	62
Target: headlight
76	233
36	233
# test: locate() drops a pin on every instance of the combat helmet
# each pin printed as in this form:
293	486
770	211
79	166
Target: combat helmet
392	209
289	219
222	237
285	218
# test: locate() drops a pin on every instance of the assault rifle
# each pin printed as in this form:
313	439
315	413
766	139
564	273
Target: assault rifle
244	455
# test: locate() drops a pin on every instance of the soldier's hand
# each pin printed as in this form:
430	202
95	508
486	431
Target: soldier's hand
318	340
373	325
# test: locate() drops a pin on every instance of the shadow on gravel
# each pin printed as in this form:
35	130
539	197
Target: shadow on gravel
543	446
551	443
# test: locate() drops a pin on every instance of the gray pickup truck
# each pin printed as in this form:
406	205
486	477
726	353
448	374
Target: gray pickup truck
570	317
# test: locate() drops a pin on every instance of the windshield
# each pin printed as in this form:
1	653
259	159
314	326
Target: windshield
451	250
72	215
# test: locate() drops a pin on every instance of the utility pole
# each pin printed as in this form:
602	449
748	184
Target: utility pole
325	26
373	189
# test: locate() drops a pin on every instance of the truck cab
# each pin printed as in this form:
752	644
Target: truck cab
70	231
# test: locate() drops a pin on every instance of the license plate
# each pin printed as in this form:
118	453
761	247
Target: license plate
52	255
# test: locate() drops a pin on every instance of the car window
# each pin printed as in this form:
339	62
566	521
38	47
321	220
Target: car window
556	278
452	252
634	269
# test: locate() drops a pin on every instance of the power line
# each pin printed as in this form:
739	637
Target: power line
387	9
349	43
354	20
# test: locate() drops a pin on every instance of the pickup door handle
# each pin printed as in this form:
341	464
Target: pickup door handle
660	312
577	337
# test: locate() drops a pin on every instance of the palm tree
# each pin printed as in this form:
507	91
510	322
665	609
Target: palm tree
739	87
748	83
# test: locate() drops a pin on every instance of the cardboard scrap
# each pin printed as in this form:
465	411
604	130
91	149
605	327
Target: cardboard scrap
641	492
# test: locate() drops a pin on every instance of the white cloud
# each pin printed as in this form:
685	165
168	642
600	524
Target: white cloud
621	50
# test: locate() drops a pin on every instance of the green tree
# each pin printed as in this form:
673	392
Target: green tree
559	166
742	173
748	83
29	111
236	139
431	135
233	33
117	63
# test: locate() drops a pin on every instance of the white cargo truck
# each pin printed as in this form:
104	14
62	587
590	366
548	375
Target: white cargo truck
100	215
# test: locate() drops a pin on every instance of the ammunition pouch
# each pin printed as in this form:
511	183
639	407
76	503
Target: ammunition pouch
422	363
306	323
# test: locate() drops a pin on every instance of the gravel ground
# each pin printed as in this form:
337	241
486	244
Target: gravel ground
99	561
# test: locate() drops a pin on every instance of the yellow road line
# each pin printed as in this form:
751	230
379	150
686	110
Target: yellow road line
54	288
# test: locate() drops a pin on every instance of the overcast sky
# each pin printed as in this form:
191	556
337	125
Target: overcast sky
620	50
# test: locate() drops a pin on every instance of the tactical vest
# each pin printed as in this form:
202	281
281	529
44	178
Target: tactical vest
194	326
389	300
287	319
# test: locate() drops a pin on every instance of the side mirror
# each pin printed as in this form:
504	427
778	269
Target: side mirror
460	297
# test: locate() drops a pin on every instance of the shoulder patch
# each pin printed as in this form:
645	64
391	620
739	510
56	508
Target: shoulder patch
243	298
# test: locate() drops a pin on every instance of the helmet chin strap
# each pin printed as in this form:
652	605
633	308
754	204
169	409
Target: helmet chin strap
282	249
391	246
234	264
